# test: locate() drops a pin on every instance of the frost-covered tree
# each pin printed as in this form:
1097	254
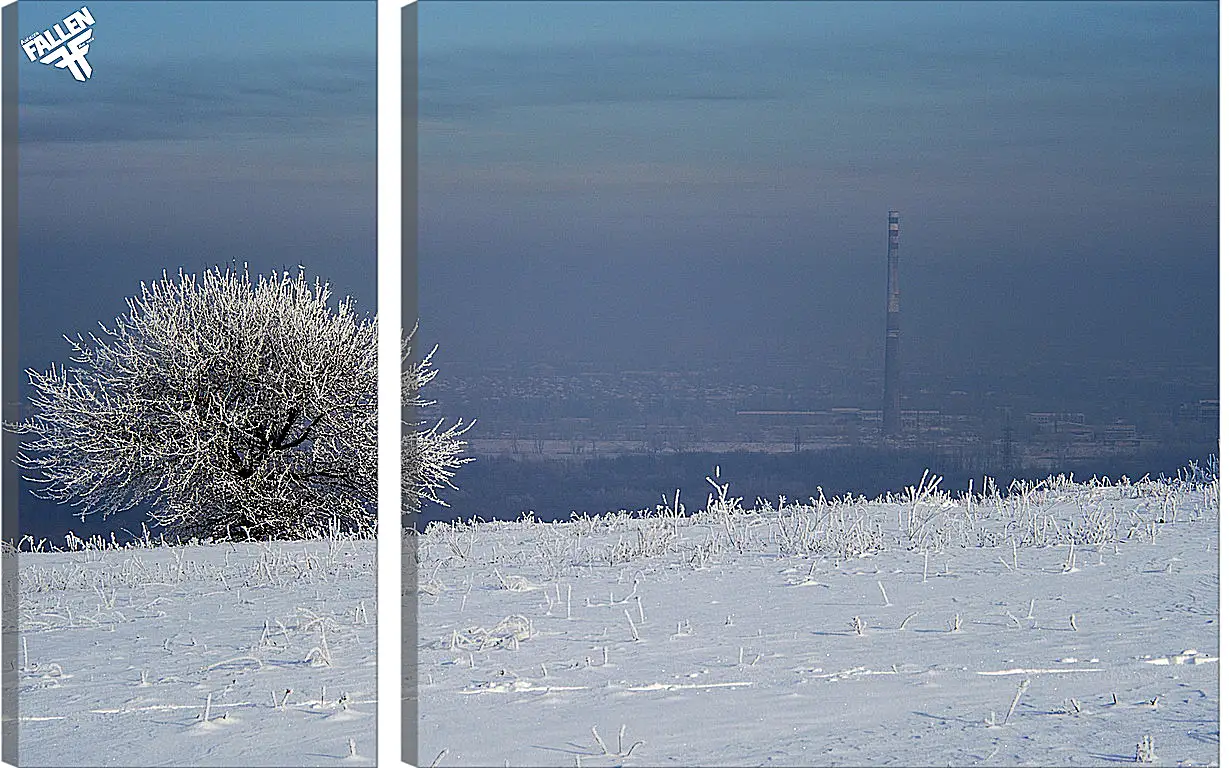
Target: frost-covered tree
231	407
431	455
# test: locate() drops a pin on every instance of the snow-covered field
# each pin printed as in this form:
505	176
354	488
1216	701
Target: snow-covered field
1057	624
225	654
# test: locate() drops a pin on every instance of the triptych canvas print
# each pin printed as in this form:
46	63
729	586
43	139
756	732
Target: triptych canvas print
598	383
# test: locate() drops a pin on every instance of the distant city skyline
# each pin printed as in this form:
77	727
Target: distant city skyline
680	181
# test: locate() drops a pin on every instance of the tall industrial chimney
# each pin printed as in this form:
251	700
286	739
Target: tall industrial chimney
891	349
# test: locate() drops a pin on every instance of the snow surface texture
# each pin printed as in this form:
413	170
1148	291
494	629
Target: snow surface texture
226	654
1059	624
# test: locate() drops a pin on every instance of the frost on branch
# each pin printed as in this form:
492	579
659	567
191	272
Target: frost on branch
232	408
430	455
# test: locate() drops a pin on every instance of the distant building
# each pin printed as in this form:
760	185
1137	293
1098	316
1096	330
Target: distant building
1209	411
914	420
1120	434
1051	420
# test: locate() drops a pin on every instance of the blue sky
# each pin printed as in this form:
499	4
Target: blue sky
209	131
687	179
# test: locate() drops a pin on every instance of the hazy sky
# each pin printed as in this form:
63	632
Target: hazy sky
208	132
677	181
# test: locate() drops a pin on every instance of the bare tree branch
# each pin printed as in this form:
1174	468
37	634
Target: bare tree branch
430	456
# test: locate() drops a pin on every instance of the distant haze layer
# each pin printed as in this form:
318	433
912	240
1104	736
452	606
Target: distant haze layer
666	183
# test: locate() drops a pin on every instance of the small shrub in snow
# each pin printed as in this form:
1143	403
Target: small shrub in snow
1145	751
1020	689
619	753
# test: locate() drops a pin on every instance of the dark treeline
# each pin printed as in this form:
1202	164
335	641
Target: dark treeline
496	488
